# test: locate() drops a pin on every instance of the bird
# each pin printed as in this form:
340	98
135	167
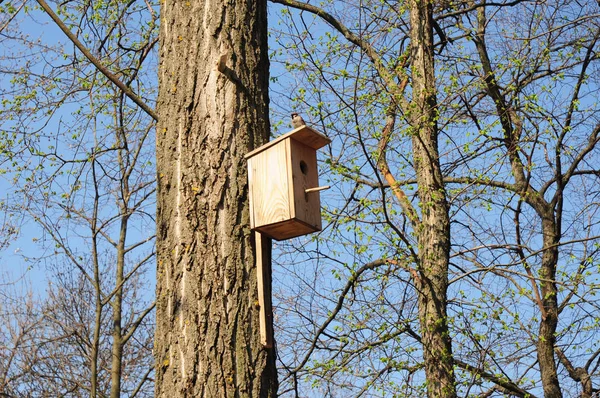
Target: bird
297	121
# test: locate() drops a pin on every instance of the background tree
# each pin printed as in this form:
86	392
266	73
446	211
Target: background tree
513	85
78	155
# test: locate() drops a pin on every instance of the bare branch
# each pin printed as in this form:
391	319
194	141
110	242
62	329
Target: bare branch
103	69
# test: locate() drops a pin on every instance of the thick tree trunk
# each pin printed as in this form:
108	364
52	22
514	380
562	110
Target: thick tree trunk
207	338
434	231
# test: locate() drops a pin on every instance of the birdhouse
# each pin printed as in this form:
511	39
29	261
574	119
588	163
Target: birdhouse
284	185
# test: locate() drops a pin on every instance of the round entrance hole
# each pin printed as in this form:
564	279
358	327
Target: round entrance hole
303	167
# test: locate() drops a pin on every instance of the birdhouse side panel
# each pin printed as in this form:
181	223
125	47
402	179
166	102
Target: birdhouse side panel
306	206
269	187
251	193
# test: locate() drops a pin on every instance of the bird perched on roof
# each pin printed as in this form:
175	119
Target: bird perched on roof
297	121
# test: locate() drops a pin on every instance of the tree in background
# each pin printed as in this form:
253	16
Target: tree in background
79	157
517	133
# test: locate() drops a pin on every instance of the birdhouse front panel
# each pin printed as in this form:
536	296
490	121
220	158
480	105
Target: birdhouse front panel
269	187
279	175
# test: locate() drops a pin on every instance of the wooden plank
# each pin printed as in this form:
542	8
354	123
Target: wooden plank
251	172
286	229
304	134
263	246
269	187
290	176
310	137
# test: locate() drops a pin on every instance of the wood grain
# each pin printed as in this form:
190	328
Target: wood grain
263	272
306	208
269	187
287	229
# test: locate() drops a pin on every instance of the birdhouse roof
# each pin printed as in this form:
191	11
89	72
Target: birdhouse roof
303	134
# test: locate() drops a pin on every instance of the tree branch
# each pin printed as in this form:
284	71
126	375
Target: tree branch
133	327
103	69
365	46
353	279
578	374
506	385
407	207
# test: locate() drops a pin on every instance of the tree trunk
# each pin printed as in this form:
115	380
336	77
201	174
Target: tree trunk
549	322
116	369
117	304
433	233
95	345
207	338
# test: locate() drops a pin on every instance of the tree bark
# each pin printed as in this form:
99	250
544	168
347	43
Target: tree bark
433	233
549	322
116	369
207	338
95	344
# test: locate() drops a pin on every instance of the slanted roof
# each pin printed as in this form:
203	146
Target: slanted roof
303	134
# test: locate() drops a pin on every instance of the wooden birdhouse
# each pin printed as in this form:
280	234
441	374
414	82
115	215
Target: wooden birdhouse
284	185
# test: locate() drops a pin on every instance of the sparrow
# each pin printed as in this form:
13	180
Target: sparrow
297	121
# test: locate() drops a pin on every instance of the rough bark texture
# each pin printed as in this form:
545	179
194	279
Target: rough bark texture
549	322
207	338
434	230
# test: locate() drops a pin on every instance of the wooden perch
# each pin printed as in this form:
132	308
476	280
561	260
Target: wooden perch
317	189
